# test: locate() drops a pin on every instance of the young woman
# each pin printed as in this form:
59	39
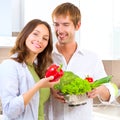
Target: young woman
23	92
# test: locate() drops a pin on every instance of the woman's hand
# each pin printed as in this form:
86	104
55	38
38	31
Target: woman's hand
45	82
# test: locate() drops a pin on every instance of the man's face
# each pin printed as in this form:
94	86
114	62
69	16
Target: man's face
64	29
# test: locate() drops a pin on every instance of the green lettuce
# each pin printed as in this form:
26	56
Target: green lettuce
70	83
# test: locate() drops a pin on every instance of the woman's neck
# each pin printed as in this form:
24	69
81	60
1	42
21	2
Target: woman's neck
30	59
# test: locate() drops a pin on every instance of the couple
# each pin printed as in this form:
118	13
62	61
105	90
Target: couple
25	90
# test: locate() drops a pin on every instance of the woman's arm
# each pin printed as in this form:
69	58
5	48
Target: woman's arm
43	83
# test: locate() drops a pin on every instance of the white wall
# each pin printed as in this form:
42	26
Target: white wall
5	19
116	29
42	10
97	27
16	15
11	16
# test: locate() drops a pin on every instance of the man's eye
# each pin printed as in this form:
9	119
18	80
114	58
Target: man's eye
66	24
55	24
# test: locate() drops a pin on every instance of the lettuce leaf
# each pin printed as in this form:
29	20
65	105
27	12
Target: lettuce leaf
70	83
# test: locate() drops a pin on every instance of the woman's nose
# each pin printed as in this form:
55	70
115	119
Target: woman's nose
39	39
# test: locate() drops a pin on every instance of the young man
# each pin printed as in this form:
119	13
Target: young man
67	20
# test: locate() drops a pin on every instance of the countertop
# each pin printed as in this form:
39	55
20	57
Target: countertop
106	112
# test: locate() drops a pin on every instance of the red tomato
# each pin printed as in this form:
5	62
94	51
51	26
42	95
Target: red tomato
89	79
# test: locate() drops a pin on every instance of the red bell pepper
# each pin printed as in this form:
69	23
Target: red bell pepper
56	71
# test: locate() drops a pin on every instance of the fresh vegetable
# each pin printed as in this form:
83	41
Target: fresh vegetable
116	90
56	71
89	79
70	83
101	81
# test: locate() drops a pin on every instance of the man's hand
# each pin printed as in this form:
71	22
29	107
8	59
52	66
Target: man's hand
57	95
101	91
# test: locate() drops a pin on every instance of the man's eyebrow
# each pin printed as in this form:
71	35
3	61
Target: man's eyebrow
61	23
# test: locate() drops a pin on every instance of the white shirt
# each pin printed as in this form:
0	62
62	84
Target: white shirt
82	63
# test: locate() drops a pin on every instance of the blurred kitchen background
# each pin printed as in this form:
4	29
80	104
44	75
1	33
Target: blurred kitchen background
99	32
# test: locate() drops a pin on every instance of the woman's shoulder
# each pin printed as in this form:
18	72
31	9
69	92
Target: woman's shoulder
8	61
10	66
7	65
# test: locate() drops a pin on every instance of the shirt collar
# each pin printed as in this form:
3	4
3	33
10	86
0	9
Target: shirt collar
78	50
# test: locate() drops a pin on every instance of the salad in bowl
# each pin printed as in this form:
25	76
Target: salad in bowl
75	88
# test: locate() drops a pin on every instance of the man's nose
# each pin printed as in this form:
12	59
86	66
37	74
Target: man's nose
60	28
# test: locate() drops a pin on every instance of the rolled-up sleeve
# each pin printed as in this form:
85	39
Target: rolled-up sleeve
14	107
113	94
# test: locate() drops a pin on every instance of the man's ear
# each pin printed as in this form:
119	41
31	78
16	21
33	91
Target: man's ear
78	25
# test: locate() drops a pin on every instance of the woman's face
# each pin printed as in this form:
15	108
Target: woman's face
38	39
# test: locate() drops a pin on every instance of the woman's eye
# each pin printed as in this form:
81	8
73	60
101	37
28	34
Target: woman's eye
46	39
35	34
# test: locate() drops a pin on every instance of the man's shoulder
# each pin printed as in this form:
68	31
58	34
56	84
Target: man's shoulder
88	52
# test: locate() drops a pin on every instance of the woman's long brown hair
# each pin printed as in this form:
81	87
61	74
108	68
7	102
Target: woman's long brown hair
44	59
